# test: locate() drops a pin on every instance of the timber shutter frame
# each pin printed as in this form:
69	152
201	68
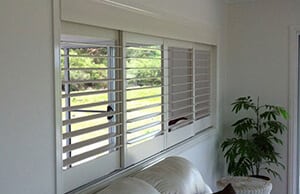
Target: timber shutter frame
110	120
145	124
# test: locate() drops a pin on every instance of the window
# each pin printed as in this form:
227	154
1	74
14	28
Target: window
126	97
90	108
143	92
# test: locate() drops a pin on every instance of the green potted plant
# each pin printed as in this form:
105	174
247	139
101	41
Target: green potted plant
256	133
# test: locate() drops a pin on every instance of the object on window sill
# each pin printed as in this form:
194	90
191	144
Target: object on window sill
174	121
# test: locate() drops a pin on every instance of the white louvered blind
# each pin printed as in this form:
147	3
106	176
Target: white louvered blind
90	103
144	92
202	84
180	87
127	97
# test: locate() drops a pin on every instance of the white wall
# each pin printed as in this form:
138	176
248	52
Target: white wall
187	20
258	59
27	141
205	157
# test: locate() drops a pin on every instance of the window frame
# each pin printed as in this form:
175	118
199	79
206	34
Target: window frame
121	160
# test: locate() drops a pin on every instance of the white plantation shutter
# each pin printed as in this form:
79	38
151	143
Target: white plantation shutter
144	96
91	107
203	88
126	97
180	87
90	124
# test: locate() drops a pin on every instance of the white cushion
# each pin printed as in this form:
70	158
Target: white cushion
174	175
129	185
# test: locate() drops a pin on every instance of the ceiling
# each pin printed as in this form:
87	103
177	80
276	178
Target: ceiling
238	1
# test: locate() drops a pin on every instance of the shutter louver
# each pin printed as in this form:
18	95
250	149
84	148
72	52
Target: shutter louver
180	87
144	92
202	84
91	111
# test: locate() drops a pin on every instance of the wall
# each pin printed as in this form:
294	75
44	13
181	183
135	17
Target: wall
258	59
205	157
27	141
189	20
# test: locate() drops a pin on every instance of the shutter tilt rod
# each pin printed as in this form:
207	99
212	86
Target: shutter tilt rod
109	109
96	111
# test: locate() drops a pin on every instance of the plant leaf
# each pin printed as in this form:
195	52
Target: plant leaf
242	103
244	125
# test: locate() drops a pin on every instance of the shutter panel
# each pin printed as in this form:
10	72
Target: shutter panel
144	96
90	108
180	87
144	92
203	90
91	105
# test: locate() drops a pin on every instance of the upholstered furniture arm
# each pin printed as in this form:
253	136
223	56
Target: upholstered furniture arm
129	185
174	175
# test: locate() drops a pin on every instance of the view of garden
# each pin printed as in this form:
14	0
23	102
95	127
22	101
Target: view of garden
90	77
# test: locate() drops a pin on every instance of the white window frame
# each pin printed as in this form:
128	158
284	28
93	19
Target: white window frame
127	156
294	107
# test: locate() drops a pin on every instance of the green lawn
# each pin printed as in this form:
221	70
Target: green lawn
130	105
140	61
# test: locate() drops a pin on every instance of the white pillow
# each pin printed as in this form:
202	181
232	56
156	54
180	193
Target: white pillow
129	185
